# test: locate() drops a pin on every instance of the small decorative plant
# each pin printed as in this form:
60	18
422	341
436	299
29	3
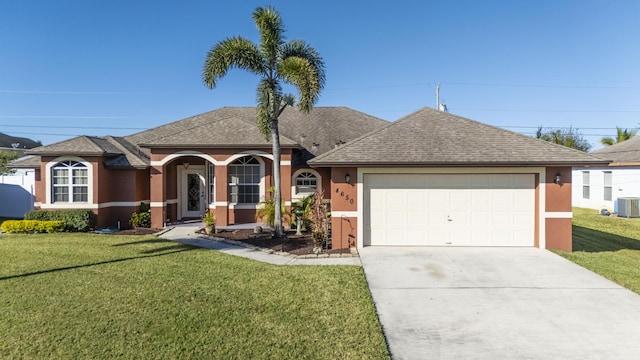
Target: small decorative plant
141	218
302	210
267	210
209	222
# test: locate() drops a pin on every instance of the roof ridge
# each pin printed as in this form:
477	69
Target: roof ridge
511	132
354	141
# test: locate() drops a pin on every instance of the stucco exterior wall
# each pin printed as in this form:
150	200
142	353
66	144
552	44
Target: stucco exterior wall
558	213
344	208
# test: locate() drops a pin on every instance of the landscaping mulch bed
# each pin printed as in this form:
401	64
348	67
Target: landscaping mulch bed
291	243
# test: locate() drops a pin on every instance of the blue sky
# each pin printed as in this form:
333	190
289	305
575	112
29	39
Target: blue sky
91	67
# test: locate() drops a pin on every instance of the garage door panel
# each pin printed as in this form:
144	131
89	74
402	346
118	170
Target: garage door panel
481	218
455	209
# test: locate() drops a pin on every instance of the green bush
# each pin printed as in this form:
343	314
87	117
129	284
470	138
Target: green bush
32	226
75	220
142	218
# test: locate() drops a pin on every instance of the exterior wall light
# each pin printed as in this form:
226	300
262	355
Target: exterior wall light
558	179
347	178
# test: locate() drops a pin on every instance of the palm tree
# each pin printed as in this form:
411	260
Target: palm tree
275	62
622	135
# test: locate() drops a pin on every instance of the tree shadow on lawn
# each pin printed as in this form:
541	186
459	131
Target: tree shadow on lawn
589	240
149	254
147	241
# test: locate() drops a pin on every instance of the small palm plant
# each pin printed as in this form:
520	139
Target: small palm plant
302	211
267	210
209	222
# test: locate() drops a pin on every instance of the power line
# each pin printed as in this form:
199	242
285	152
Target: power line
73	127
546	111
64	92
68	117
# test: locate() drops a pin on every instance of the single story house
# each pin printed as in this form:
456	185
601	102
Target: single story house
600	187
430	178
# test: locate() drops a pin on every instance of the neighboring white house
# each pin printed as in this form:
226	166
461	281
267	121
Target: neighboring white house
16	189
16	193
600	188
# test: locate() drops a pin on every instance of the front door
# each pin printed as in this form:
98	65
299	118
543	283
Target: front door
193	193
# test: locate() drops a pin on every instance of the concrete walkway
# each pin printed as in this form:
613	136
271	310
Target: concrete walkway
186	234
498	303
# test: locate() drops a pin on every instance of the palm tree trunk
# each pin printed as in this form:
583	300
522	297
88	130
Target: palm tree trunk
277	198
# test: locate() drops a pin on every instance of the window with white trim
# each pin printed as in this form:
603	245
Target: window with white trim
306	183
585	185
70	182
244	181
212	182
608	178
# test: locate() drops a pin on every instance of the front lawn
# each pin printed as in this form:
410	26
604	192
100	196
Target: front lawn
101	296
609	246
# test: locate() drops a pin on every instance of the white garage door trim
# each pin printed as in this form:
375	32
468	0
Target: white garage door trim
516	221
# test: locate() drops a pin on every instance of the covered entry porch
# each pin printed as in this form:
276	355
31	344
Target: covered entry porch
228	182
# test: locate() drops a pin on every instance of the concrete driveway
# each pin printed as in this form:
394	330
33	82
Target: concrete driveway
498	303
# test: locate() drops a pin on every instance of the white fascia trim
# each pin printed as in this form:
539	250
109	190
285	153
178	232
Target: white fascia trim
157	204
558	215
287	203
337	214
59	205
221	203
235	157
122	204
178	154
172	201
540	170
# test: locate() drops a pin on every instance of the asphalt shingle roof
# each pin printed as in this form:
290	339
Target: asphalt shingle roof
81	145
625	152
317	132
7	141
26	162
431	137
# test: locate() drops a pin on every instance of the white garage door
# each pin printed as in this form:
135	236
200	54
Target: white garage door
449	209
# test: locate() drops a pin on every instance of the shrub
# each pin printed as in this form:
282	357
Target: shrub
32	226
320	221
75	220
267	210
303	208
142	218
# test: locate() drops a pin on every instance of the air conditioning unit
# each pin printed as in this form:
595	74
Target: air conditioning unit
629	207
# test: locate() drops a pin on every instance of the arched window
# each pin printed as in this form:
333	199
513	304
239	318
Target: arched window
306	183
244	181
70	182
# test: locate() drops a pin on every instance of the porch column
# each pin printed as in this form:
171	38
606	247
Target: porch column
222	196
158	196
285	178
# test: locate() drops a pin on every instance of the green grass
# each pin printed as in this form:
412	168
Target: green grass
609	246
104	296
